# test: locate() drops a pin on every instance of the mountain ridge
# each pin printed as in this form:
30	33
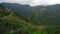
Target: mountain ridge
38	13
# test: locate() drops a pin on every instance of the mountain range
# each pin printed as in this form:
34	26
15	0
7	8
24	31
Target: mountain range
45	14
24	19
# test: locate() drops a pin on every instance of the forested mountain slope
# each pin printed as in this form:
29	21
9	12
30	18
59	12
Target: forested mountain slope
49	15
10	23
25	19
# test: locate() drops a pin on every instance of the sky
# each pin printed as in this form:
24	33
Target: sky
33	2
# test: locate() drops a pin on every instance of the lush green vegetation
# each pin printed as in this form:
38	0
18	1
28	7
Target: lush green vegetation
39	21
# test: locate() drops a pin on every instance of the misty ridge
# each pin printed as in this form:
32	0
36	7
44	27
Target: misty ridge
25	19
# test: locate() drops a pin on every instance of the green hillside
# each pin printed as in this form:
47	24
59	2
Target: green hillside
34	22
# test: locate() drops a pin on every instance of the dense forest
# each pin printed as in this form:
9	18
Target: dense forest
24	19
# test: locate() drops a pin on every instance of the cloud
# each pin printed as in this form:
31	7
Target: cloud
33	2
